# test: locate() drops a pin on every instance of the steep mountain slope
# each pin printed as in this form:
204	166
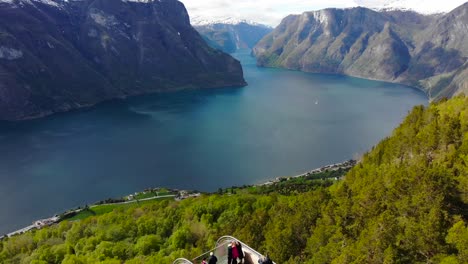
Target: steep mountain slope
442	55
405	202
405	47
230	37
58	55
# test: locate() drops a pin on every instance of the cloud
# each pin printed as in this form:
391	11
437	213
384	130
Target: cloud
271	12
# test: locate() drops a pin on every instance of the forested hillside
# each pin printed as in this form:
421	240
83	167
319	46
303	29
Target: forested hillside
406	202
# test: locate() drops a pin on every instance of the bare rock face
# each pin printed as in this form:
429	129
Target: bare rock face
429	52
58	55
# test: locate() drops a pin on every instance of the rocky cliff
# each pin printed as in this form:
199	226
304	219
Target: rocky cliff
57	55
429	52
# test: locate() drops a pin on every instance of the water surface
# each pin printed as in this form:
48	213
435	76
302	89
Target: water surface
283	123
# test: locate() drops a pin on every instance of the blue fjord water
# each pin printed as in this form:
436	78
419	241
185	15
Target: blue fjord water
283	123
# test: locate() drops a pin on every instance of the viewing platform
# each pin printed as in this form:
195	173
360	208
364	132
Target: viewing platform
220	251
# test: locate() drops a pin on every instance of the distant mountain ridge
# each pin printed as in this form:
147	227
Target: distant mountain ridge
57	55
204	21
230	34
429	52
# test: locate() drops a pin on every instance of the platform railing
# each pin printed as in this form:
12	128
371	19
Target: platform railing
182	261
220	251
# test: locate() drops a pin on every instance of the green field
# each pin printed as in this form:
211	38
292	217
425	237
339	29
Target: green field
107	208
150	194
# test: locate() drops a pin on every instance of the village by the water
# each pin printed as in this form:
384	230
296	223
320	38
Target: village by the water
164	193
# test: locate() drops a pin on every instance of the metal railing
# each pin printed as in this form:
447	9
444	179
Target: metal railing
220	251
182	261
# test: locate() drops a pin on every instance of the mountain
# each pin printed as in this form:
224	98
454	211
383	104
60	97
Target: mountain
406	201
230	35
405	47
57	55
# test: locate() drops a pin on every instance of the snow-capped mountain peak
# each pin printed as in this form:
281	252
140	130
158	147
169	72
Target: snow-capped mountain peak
204	21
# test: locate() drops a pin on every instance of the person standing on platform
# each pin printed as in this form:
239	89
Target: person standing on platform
233	253
240	252
213	259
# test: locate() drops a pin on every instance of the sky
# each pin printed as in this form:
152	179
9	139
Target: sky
270	12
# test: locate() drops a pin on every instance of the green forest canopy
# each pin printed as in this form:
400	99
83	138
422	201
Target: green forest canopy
406	202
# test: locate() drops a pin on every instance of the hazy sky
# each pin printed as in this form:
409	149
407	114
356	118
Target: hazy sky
272	11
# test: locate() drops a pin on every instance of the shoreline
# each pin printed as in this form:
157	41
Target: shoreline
177	194
89	106
331	167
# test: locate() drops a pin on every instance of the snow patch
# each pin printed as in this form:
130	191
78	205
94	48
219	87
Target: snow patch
102	18
10	53
55	3
21	3
321	16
